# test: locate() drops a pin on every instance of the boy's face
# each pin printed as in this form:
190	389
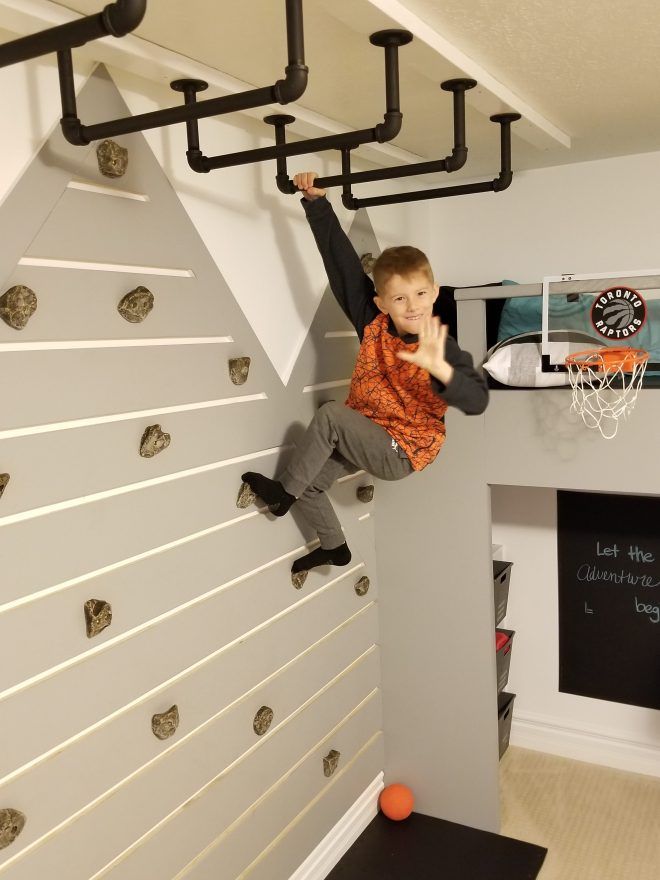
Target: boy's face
407	299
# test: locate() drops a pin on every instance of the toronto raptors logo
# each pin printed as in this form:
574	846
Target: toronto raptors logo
618	313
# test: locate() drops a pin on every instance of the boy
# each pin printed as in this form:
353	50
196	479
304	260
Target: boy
408	371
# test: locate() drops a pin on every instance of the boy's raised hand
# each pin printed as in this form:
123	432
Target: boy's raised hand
430	354
305	183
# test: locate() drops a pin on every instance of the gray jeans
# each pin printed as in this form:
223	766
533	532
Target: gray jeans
339	441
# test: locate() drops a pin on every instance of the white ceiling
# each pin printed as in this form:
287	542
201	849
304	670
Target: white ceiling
585	74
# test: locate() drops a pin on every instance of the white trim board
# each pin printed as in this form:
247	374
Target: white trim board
339	839
545	735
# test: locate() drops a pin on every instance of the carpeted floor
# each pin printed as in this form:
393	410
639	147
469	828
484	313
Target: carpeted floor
597	823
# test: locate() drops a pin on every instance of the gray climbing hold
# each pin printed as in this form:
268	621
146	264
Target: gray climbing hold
112	159
239	369
330	762
12	823
98	616
17	305
365	494
262	720
136	305
362	586
154	440
165	724
298	578
246	496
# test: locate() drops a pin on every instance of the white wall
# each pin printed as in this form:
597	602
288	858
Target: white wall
590	217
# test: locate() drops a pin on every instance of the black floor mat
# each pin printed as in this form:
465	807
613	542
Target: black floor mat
424	848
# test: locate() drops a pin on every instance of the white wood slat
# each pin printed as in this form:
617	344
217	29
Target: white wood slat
130	669
138	592
282	859
81	304
191	763
100	382
61	465
237	850
57	789
93	228
197	824
50	550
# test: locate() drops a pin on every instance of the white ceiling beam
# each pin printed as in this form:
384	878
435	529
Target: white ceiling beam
491	94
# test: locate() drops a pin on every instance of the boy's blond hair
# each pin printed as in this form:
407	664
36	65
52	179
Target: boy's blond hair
404	260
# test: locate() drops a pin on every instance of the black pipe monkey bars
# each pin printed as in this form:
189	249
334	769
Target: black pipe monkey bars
116	20
390	40
453	162
282	92
123	16
499	183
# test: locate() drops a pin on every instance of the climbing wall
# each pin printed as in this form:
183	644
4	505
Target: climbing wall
171	704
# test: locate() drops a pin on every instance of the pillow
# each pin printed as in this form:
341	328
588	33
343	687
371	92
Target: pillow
522	314
517	361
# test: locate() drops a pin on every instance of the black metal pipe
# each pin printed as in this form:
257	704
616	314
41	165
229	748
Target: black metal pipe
295	81
499	183
299	148
506	175
389	128
441	192
173	115
453	162
459	152
117	19
381	173
283	91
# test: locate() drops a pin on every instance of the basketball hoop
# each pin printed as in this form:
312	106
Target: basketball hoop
605	382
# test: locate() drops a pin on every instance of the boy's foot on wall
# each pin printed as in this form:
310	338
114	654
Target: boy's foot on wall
339	556
270	491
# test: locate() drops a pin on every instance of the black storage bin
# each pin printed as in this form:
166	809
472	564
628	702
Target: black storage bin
503	656
501	577
504	715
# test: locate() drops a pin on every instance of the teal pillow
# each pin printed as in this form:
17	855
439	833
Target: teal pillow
522	314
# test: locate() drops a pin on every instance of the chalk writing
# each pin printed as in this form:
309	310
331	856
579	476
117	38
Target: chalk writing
652	610
588	572
608	558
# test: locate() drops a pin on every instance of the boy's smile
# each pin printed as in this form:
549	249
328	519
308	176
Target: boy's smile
407	300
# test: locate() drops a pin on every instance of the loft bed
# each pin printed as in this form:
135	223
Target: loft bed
501	323
533	438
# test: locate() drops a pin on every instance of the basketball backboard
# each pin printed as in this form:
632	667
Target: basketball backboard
615	309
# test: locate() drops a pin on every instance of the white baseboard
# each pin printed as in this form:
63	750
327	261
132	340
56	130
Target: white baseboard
543	735
337	841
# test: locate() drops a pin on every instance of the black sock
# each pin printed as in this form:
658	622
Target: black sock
339	556
270	491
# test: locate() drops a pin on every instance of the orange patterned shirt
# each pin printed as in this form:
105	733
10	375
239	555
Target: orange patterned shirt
397	395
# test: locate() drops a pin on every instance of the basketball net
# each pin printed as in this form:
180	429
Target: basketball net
605	382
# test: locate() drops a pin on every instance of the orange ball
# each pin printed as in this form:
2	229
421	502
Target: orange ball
397	801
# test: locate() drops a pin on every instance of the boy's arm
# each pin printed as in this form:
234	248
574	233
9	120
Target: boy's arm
353	289
467	389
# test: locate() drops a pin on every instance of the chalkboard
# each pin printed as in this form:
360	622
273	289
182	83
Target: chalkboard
608	550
